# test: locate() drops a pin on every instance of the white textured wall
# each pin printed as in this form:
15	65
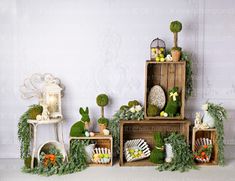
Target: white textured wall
101	46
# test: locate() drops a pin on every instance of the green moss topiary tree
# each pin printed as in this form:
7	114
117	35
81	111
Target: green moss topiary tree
175	28
102	100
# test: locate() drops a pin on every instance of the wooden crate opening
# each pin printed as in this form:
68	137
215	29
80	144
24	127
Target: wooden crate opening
167	75
211	134
145	130
101	141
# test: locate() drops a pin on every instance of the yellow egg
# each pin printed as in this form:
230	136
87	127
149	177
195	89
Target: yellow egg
162	59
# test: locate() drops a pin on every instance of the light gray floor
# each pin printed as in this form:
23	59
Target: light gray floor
10	171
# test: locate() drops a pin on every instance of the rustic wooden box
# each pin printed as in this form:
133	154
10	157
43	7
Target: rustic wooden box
145	130
207	133
167	75
101	141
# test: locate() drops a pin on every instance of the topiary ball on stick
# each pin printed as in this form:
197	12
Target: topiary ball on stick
102	100
175	28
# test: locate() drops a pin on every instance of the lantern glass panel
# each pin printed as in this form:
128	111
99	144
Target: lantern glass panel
53	103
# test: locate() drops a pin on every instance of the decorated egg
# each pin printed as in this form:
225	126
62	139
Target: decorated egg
157	97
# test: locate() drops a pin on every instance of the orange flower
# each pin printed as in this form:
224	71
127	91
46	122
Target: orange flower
203	153
205	146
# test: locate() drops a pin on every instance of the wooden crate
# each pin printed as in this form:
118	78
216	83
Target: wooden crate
145	129
101	141
207	133
167	75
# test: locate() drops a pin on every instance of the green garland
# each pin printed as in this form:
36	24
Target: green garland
189	73
123	113
219	114
24	130
183	157
76	161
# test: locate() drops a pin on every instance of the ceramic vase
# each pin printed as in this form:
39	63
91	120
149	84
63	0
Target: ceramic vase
208	120
169	153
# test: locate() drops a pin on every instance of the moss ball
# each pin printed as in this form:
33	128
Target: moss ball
175	26
102	100
104	121
152	110
34	111
133	103
124	107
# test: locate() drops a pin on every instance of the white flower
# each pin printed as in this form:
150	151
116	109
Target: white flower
168	58
205	107
132	109
138	108
165	114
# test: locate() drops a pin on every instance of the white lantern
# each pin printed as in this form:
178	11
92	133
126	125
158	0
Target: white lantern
52	98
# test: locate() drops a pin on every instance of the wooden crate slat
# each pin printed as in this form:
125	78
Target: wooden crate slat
164	76
171	76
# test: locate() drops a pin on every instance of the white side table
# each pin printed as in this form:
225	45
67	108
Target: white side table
35	123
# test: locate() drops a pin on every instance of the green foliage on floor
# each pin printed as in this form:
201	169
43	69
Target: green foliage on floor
183	157
219	114
76	162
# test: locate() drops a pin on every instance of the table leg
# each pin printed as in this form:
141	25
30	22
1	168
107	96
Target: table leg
34	144
56	131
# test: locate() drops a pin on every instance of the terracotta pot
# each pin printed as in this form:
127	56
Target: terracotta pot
102	127
175	55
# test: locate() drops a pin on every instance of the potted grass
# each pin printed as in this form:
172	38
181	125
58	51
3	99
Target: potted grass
175	28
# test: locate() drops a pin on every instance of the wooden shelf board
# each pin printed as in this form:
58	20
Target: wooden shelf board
154	121
100	165
50	121
159	117
97	136
144	162
154	62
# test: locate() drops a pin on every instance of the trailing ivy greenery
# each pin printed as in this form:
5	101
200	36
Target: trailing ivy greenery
124	113
219	114
183	157
189	73
76	162
24	130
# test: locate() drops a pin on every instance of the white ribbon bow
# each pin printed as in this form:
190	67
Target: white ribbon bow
174	95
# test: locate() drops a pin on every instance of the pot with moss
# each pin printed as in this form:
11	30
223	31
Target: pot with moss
102	100
103	123
175	28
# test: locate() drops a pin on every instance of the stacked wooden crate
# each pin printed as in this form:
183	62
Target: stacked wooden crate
167	75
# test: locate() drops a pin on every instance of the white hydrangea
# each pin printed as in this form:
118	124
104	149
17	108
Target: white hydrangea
205	107
132	109
138	108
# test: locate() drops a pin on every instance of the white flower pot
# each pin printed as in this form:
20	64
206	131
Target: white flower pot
207	119
169	153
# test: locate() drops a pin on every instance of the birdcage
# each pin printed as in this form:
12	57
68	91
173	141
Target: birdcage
157	50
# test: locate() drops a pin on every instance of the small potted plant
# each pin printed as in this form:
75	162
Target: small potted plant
175	28
102	100
103	123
